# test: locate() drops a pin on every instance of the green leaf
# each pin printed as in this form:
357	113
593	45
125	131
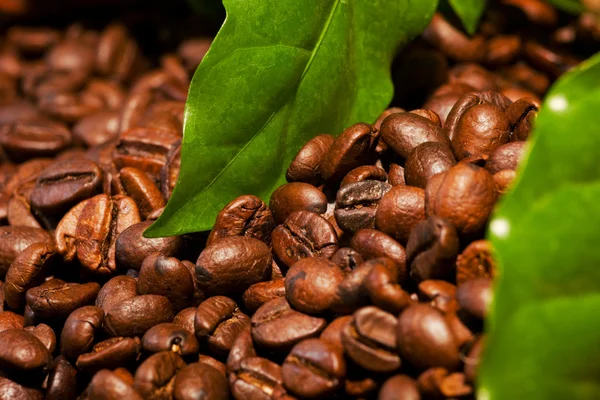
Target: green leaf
277	74
569	6
469	12
544	340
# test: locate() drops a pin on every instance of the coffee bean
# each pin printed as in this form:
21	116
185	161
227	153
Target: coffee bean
357	386
241	349
155	376
503	180
371	243
405	131
476	261
199	380
425	339
12	390
28	270
79	331
107	385
475	296
454	43
521	116
311	285
213	362
439	382
245	216
296	196
136	184
399	387
275	326
26	356
134	316
432	249
347	258
364	173
10	320
170	337
400	210
64	184
185	319
306	165
56	299
114	291
263	292
218	322
506	156
426	160
169	277
45	334
355	146
396	175
132	248
473	358
384	291
255	378
370	340
440	294
97	128
232	264
473	75
313	369
62	381
24	140
111	353
333	333
15	239
357	203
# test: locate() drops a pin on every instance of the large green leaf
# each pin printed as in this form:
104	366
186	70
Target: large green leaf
469	12
544	328
278	73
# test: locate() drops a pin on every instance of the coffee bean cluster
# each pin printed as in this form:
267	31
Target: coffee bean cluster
365	276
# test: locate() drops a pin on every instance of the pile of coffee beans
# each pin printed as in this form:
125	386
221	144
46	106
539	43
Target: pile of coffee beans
366	276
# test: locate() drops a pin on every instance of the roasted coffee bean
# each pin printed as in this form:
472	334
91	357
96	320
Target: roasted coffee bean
64	184
465	196
506	156
136	184
62	381
12	390
306	165
364	173
503	180
241	349
333	333
134	316
425	339
97	128
429	114
370	340
213	362
304	234
10	320
263	292
475	296
185	319
313	369
170	337
24	140
114	291
15	239
405	131
455	44
399	211
399	387
440	383
154	377
384	291
502	49
232	264
56	299
355	146
19	212
107	385
432	249
255	378
199	380
476	261
169	172
275	326
218	322
27	271
357	203
521	116
445	97
347	258
45	334
426	160
371	243
396	175
472	359
296	196
245	216
440	294
132	248
311	285
23	355
111	353
80	330
473	75
169	277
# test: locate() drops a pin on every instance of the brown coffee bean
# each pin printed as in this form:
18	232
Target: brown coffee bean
311	285
357	203
347	258
12	390
425	339
399	387
465	196
114	291
15	239
108	385
169	277
199	380
170	337
355	146
275	326
370	340
232	264
185	319
503	180
506	156
241	349
56	299
306	165
400	210
476	261
432	249
136	184
313	369
245	216
426	160
439	294
79	331
455	44
304	234
218	322
384	291
364	173
405	131
97	128
550	61
133	317
296	196
475	296
45	334
26	356
473	358
333	333
169	172
213	362
396	175
62	381
256	378
155	376
10	320
263	292
371	243
24	140
440	383
473	75
111	353
502	49
521	116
